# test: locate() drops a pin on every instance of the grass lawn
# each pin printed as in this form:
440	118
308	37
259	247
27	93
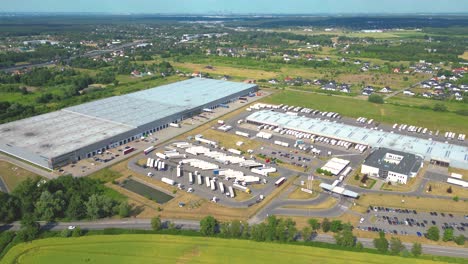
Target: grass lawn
105	175
328	203
297	194
387	113
418	203
440	188
182	249
416	101
13	175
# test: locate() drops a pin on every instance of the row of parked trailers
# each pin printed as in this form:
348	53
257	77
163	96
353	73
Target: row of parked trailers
451	135
290	109
314	138
158	164
211	183
363	120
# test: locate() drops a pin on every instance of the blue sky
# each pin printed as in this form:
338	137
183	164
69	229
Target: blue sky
237	6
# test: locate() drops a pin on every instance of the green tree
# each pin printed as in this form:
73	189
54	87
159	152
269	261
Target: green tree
359	246
208	226
77	232
49	205
448	235
314	224
433	233
29	229
306	233
156	223
416	250
376	99
326	225
76	208
235	229
65	233
10	209
124	210
439	107
396	246
345	238
381	243
336	226
99	206
460	240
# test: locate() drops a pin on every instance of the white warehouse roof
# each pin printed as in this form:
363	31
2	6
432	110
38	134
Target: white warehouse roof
456	155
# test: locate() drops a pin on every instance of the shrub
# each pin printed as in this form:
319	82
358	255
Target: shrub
375	98
77	232
65	233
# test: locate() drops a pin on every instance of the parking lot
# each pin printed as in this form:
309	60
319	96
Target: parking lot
411	222
264	187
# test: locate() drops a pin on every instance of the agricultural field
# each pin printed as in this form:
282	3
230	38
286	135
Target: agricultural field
181	249
352	107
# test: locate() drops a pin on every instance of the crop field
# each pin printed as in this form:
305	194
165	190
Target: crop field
182	249
348	106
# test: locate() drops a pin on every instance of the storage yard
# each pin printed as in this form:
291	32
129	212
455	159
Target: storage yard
79	132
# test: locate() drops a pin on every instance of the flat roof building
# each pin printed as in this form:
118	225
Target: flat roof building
78	132
433	151
391	165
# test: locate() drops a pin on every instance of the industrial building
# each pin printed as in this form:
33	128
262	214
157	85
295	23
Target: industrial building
392	166
433	151
55	139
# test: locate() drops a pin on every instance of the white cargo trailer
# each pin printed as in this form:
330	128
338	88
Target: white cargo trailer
200	180
213	185
232	194
221	187
179	171
190	176
167	181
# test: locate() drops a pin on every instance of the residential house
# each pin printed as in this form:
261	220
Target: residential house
386	89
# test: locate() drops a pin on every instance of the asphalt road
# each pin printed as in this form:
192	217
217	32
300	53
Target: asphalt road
3	187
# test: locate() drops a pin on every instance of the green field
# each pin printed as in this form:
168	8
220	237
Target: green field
181	249
352	107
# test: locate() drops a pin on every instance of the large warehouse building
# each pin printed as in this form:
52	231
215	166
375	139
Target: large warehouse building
433	151
58	138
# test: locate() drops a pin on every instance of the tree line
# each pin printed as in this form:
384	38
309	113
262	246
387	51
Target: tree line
64	198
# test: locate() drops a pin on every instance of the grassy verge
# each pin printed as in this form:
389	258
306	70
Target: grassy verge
402	201
13	175
328	203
